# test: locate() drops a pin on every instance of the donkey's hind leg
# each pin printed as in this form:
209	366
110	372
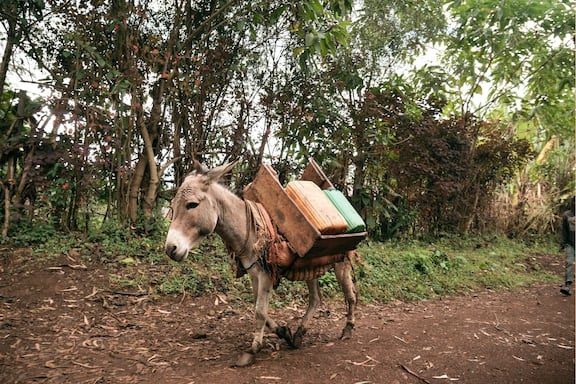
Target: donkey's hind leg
314	301
343	271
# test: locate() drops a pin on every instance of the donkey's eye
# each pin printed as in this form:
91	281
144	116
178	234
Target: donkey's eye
191	205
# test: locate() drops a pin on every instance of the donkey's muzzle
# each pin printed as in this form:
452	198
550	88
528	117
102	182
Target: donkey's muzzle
175	252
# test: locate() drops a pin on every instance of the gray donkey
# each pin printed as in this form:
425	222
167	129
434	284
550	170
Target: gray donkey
202	206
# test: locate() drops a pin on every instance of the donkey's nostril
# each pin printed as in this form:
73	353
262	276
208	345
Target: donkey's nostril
171	250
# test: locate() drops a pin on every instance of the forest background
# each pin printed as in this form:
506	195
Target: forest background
479	140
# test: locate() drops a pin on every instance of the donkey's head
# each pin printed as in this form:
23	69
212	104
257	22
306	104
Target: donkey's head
194	210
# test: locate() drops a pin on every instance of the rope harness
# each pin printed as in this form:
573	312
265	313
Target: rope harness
255	228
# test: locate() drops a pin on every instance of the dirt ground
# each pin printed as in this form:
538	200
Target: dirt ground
62	323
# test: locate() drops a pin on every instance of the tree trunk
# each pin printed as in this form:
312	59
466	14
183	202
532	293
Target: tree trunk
28	160
8	50
149	198
6	224
359	160
134	189
8	195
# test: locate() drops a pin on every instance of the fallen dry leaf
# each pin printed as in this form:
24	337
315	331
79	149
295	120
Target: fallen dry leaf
94	292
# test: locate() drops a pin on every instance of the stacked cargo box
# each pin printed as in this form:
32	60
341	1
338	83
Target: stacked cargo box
312	215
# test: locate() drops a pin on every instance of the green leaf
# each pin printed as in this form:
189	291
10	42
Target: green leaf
310	39
276	13
128	261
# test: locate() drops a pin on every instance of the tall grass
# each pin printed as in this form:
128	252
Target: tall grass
423	270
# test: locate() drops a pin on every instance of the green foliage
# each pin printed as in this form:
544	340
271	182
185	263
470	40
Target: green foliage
289	293
429	175
523	50
178	282
25	234
409	270
501	37
415	271
513	62
138	90
24	9
390	32
321	27
329	284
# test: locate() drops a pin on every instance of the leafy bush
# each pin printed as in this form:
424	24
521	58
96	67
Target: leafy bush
26	234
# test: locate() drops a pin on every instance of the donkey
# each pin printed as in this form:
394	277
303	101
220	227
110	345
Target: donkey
202	206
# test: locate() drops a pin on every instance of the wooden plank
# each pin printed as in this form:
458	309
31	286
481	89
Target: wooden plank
333	244
314	173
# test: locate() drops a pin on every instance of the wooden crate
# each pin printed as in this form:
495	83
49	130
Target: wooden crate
306	240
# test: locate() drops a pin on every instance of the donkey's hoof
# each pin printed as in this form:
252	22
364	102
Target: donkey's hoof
284	333
297	338
245	359
296	341
347	332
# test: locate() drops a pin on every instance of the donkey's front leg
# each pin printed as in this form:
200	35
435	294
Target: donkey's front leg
262	286
283	332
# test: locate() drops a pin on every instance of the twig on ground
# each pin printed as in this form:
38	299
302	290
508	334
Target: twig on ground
84	365
365	362
136	294
414	374
401	339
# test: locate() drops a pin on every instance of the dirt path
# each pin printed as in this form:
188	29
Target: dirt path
60	323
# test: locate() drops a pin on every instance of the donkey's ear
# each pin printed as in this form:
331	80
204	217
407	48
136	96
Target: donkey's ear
216	173
200	168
